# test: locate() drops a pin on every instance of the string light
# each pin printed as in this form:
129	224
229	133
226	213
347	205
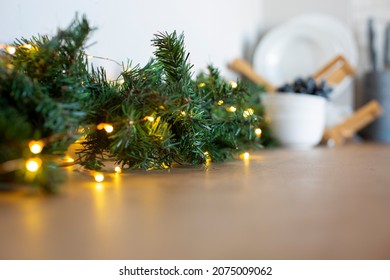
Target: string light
108	128
233	84
35	146
245	155
68	159
149	118
99	177
33	164
208	159
248	112
11	49
89	56
231	109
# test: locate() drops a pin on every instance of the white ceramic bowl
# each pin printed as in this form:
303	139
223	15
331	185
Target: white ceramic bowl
297	120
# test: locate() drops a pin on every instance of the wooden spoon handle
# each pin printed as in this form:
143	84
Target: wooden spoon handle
242	67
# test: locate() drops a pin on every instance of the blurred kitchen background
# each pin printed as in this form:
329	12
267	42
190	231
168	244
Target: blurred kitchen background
216	31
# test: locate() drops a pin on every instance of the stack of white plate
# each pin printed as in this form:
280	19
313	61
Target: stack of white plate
301	46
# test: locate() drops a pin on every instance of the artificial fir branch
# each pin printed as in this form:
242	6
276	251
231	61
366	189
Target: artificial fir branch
160	113
41	95
191	121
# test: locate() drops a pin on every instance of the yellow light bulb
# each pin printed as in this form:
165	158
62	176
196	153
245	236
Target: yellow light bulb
99	177
149	118
28	46
69	159
220	102
233	84
100	126
231	109
11	49
202	84
118	169
183	113
33	164
35	146
258	132
108	128
245	155
246	114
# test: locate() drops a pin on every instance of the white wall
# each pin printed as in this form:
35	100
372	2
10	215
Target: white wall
215	31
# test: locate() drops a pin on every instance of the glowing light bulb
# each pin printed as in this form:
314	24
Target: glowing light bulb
11	49
69	159
35	146
233	84
245	114
149	118
231	109
118	169
183	113
245	155
220	102
99	177
100	126
33	164
28	46
202	85
108	128
258	132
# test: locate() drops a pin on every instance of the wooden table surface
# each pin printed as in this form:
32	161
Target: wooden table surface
281	204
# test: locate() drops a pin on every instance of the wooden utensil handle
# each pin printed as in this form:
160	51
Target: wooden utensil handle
361	118
242	67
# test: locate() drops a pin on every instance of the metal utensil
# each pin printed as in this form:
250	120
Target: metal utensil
371	43
387	47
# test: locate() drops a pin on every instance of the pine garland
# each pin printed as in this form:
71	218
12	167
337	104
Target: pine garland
41	96
160	114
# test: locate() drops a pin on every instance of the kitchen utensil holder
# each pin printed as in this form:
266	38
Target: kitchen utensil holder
376	85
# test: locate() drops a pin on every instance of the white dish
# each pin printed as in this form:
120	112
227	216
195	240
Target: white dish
296	120
336	30
301	46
